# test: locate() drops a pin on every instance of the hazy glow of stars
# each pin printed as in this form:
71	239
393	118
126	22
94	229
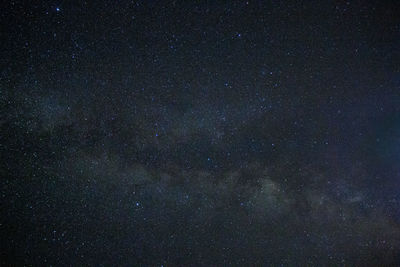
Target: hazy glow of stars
210	133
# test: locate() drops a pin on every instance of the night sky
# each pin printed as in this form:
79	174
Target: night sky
200	133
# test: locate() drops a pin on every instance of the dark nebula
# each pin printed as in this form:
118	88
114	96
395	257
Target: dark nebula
200	133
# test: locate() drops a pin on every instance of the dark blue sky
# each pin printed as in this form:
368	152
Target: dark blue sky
204	133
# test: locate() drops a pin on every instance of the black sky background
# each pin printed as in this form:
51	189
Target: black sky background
204	133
